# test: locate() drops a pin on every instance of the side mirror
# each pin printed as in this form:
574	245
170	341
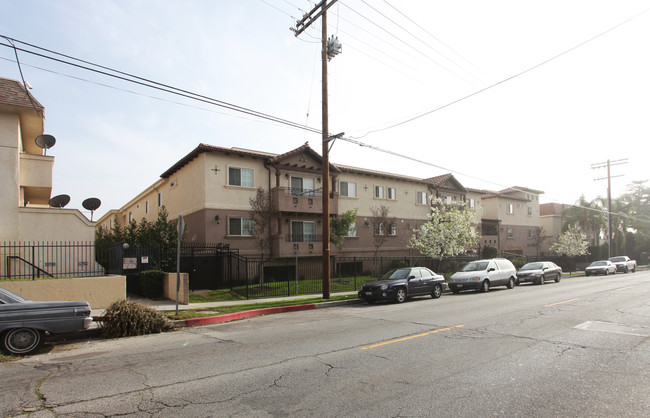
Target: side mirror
411	277
491	269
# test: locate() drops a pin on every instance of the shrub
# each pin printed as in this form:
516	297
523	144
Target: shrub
126	319
490	251
151	283
519	262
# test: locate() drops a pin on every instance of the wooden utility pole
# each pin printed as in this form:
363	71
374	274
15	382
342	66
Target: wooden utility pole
608	164
301	25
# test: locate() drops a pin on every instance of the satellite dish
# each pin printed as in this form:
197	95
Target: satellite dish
91	204
45	142
60	201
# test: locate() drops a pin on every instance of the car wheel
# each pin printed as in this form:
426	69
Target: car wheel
541	280
511	283
22	341
485	286
437	291
558	278
607	272
626	270
400	295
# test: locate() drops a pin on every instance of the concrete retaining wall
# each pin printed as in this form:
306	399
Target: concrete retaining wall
100	292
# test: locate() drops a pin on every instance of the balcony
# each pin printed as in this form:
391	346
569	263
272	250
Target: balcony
302	245
36	170
287	199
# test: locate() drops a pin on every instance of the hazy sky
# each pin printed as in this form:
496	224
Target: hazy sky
500	93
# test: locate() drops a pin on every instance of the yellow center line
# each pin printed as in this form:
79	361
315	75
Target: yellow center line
411	337
559	303
623	288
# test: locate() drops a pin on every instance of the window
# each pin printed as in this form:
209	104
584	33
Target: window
530	211
241	227
379	192
510	209
241	177
530	234
348	189
146	207
379	229
393	229
421	198
392	193
471	203
130	216
301	186
159	199
353	230
511	233
303	231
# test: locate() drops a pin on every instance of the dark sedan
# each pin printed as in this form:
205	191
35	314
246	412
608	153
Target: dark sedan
538	272
23	323
402	283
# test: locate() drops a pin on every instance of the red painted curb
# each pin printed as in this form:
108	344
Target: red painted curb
246	314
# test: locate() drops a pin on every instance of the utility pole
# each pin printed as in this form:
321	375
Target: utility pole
330	48
608	164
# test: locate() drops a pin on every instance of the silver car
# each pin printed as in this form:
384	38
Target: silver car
23	323
483	274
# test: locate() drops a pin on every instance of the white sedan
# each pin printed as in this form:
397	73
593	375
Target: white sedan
600	267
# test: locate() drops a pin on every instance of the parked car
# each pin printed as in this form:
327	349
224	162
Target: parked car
600	267
399	284
483	274
24	323
623	263
539	271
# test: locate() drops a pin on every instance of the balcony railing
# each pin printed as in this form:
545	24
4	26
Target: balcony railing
303	238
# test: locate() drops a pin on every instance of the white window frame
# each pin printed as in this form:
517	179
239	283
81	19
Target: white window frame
130	216
242	178
510	208
511	233
530	211
392	193
392	230
379	192
421	198
245	227
471	203
352	233
350	189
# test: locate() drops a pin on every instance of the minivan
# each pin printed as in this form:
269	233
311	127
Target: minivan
484	274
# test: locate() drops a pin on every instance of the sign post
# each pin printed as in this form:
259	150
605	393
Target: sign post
181	228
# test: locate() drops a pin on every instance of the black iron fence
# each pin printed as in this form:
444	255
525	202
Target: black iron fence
32	260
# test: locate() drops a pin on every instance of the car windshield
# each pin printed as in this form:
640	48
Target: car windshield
396	274
532	266
476	266
598	263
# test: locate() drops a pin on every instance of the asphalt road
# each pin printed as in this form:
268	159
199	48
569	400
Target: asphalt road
580	347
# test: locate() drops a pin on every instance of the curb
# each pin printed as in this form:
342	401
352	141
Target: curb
192	322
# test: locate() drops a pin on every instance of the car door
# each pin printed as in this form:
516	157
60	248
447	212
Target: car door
428	280
493	275
415	282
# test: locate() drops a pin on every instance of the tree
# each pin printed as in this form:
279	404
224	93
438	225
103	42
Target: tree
448	232
262	213
571	243
341	226
382	225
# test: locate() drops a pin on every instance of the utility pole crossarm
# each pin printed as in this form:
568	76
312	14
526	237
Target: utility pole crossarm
310	18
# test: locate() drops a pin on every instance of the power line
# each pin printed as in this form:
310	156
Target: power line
152	84
491	86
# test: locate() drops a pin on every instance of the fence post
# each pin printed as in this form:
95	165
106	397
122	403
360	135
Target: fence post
354	261
33	259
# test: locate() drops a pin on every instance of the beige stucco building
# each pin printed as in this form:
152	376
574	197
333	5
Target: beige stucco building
26	176
212	187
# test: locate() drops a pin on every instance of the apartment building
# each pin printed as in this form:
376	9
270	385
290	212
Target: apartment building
212	188
26	173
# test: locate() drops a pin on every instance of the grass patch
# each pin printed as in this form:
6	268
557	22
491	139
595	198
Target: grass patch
222	310
219	295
